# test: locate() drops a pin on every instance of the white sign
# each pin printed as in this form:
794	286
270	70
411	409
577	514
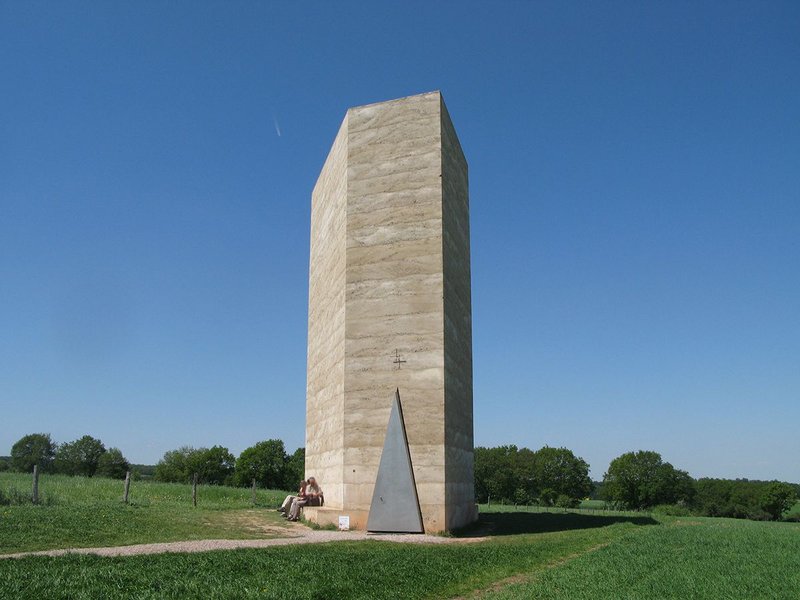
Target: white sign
344	523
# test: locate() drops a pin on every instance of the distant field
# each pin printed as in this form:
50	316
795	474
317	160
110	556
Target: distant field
80	512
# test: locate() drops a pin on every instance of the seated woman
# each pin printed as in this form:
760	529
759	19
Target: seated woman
313	497
287	503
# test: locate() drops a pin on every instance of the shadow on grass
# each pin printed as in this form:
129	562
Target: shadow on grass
514	523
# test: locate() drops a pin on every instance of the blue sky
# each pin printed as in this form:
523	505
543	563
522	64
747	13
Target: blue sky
635	208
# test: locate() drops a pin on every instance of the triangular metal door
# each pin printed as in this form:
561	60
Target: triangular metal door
395	505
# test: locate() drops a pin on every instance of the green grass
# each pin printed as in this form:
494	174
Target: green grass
361	570
527	554
683	558
79	512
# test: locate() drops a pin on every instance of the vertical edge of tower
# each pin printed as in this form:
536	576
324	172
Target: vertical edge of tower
326	323
459	452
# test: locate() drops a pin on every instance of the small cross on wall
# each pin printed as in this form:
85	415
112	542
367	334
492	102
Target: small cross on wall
397	360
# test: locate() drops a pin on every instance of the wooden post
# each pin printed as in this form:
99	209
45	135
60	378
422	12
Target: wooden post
254	491
127	486
36	484
194	490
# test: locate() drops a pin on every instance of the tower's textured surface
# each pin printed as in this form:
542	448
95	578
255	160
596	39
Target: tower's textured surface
390	271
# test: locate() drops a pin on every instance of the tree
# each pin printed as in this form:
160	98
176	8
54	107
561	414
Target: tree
519	475
213	465
737	498
777	498
33	449
497	476
523	465
557	474
266	462
174	467
80	457
112	464
295	468
642	479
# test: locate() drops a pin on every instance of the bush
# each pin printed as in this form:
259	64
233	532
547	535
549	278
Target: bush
672	510
564	501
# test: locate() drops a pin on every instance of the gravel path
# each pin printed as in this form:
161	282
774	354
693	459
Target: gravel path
306	536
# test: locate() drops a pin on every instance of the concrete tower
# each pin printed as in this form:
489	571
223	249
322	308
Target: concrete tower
390	308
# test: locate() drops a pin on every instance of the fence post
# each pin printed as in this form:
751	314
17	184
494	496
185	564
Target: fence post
36	484
254	491
194	490
127	486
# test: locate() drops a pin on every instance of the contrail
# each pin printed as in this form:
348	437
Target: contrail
277	127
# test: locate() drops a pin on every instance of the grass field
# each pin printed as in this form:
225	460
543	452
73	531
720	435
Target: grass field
527	554
363	570
682	558
79	512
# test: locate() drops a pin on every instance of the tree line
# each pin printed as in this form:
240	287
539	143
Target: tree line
634	481
265	462
639	480
85	456
548	476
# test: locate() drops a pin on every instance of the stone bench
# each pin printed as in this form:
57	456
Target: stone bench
324	515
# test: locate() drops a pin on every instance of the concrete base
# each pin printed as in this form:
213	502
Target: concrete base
322	516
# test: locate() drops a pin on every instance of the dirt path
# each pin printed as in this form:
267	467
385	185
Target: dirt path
302	535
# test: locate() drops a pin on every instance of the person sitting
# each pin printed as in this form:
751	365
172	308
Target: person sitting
287	503
313	497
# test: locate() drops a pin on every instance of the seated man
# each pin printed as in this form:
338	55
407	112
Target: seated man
313	497
287	503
